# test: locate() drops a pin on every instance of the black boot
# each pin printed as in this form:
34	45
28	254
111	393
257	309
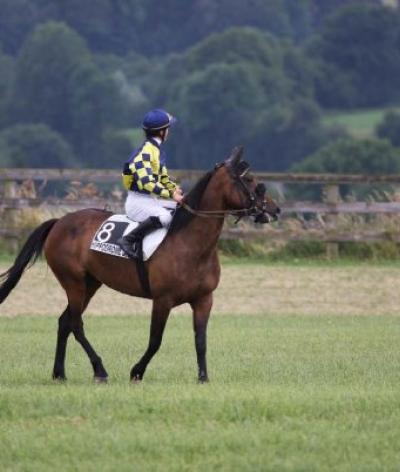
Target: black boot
132	242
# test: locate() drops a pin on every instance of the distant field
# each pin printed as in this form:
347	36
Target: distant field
318	289
360	124
287	393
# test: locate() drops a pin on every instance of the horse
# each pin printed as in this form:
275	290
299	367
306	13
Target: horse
184	269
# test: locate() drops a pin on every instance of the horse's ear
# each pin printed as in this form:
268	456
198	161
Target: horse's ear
235	157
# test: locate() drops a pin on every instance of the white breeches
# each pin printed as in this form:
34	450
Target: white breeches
139	207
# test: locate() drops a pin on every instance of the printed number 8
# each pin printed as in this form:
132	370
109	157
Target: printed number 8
105	230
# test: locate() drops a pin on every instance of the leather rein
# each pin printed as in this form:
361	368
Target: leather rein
217	213
252	196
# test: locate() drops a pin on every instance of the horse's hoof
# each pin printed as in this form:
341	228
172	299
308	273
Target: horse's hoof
203	380
59	379
100	380
136	379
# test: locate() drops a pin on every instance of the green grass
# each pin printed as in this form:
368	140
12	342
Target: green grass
360	124
286	394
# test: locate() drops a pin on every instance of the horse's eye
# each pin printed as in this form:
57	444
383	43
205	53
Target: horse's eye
260	190
248	177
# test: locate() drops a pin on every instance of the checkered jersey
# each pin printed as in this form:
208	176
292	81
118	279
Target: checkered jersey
146	172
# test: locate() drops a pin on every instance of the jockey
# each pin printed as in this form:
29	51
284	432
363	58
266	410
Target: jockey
145	176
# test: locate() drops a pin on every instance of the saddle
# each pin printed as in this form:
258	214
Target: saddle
116	226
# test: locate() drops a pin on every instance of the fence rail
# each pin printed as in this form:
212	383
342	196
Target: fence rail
12	202
287	208
108	175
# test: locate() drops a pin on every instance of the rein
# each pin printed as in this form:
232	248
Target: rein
240	213
216	213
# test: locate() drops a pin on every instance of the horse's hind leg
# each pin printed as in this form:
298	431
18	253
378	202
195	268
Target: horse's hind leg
79	295
64	330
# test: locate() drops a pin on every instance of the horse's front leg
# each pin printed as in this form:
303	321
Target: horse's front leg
159	317
201	312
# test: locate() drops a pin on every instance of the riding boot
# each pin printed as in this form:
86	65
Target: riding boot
130	243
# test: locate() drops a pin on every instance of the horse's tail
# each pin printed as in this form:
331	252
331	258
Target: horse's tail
29	253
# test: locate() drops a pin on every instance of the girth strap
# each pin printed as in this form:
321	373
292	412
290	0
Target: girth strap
142	271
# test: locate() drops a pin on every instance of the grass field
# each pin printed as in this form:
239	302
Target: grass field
360	124
310	390
286	393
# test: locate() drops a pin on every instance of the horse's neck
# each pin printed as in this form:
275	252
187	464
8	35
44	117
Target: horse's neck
202	234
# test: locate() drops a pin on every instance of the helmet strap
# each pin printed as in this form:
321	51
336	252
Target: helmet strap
164	134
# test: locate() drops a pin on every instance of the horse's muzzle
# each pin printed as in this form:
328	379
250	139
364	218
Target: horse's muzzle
266	216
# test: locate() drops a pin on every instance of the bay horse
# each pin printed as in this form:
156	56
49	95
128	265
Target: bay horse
184	269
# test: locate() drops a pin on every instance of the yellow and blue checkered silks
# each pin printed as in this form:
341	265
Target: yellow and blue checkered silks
146	171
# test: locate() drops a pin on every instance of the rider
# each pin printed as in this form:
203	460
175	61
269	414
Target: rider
145	176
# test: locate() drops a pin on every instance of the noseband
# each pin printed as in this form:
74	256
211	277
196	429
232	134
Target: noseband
252	196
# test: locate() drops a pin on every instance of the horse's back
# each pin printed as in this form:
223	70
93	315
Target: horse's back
74	229
68	242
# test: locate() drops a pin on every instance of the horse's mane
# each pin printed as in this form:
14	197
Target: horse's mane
182	217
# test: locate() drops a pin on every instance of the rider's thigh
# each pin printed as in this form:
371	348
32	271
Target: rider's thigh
139	207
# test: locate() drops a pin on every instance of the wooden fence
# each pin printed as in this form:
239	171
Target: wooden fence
23	188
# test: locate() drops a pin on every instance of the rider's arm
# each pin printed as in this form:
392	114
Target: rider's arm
167	182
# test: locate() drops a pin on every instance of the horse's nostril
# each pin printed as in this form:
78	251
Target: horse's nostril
278	210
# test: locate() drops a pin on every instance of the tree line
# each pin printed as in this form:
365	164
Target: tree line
76	78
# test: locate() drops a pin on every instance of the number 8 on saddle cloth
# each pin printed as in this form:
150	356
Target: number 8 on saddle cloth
116	226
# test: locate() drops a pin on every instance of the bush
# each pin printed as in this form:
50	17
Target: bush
389	128
34	145
117	148
242	248
309	251
351	156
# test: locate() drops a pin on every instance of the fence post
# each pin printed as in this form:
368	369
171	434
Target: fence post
331	195
10	216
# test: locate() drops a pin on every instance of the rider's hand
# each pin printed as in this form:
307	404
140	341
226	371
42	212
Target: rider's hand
178	195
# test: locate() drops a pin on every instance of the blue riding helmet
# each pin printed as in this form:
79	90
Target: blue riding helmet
157	119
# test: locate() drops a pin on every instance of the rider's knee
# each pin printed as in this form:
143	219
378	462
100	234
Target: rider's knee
165	218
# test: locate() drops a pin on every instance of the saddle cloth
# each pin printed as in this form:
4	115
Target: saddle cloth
106	237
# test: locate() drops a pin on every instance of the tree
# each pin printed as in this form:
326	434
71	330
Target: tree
180	23
134	77
389	128
281	70
242	86
321	9
18	18
34	145
300	70
285	135
350	156
94	107
300	17
245	47
233	46
6	81
44	71
59	84
361	46
216	106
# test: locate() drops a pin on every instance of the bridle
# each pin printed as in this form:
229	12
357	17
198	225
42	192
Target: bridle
238	176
